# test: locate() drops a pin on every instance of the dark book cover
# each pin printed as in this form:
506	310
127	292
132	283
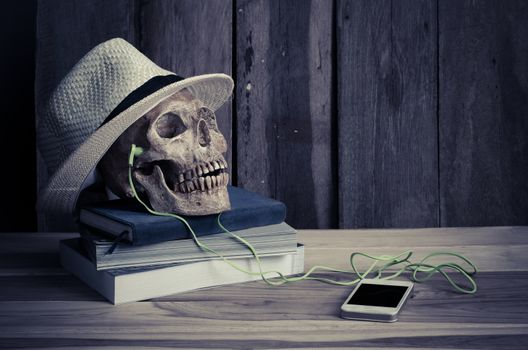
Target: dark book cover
248	209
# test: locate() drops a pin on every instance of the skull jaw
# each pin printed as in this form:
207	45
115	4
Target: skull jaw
195	203
192	204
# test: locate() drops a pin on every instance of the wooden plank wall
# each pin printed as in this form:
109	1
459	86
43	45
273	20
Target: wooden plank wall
483	112
386	72
284	106
355	113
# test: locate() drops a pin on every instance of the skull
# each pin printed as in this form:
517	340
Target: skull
182	169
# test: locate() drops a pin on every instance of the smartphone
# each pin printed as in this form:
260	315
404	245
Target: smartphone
376	300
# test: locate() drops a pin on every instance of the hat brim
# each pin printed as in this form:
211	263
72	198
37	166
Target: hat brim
72	176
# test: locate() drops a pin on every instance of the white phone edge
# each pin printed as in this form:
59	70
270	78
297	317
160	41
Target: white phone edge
376	313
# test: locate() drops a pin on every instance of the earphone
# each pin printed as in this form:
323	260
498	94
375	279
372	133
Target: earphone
134	152
386	261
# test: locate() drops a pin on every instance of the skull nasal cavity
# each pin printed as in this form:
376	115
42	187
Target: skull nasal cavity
203	133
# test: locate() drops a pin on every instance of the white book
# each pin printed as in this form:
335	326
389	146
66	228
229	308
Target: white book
140	283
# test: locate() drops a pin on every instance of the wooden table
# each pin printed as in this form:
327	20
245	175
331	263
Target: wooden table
42	306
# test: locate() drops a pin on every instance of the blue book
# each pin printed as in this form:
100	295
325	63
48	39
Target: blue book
128	219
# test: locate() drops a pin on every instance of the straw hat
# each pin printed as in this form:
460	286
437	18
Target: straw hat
111	87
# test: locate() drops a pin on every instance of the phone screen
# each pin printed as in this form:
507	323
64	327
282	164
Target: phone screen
378	295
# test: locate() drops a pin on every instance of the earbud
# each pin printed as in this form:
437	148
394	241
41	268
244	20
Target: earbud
137	151
134	152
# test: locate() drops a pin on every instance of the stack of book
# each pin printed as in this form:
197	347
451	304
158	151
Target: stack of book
128	254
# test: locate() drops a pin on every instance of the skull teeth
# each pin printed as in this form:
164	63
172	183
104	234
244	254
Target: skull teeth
215	180
203	177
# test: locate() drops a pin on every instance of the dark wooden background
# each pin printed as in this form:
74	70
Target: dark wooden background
355	113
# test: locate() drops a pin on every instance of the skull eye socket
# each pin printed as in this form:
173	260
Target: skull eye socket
170	125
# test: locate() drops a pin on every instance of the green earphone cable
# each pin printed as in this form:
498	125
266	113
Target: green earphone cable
387	261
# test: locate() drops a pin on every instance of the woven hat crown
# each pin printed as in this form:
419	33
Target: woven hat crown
87	95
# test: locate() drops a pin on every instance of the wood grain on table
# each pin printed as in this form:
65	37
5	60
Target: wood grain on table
42	306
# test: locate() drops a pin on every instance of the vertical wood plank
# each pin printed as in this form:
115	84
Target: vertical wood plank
284	106
191	37
483	112
387	61
66	30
